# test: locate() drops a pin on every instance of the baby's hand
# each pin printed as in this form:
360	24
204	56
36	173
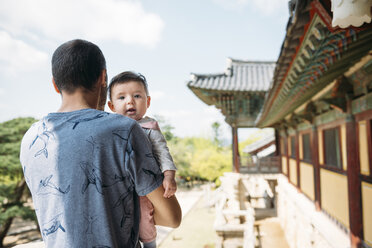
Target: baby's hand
169	183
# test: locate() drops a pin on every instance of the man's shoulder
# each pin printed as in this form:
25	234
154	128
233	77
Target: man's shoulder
32	131
87	120
116	124
121	119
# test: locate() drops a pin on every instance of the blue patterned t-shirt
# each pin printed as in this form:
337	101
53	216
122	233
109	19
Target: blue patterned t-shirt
85	170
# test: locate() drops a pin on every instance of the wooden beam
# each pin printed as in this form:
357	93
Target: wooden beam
341	91
338	103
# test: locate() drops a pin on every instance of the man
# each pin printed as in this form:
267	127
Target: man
86	168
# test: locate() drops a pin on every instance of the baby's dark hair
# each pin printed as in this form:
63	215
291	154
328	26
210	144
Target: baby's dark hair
125	77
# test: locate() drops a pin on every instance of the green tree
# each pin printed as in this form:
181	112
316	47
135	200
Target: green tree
210	161
166	128
216	132
13	190
182	153
197	157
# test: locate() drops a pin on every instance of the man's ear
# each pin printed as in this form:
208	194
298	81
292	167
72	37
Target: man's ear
111	106
103	78
148	101
55	86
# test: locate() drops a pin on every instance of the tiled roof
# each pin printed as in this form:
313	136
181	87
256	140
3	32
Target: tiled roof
239	76
264	141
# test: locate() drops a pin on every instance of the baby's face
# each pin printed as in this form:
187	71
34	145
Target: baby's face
129	99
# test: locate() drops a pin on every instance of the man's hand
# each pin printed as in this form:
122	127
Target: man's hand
169	183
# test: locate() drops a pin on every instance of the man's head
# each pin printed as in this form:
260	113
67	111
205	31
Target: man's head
77	64
128	95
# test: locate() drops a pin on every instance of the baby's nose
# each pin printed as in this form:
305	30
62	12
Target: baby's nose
129	100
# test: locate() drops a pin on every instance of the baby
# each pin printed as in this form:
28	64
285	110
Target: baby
129	96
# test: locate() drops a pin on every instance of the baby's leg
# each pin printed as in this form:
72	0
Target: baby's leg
147	230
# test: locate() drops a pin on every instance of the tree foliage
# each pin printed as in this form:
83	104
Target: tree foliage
166	128
200	158
196	157
210	161
217	133
13	190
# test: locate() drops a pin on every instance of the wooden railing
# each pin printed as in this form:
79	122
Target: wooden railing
270	164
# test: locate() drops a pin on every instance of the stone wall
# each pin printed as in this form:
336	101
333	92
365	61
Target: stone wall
304	227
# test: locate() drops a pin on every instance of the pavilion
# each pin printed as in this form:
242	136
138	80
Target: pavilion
239	93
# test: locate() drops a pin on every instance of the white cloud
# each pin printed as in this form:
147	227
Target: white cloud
194	123
17	56
211	110
269	7
2	91
199	123
157	94
265	7
62	20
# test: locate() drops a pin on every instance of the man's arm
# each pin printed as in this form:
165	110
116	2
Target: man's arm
167	211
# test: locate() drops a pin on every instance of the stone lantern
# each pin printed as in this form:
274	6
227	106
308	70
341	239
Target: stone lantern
351	12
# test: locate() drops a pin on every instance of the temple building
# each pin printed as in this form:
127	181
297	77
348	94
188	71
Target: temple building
239	93
318	98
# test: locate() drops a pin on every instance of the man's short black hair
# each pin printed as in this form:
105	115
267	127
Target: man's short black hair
126	77
77	63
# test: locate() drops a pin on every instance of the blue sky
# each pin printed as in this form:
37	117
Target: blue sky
165	40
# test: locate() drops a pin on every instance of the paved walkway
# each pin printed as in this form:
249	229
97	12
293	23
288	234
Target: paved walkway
269	233
196	229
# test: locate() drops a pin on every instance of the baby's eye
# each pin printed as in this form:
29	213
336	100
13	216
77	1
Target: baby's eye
121	97
137	96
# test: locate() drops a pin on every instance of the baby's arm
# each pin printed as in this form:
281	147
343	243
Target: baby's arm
161	152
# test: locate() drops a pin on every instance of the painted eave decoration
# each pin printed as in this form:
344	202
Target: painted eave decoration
312	56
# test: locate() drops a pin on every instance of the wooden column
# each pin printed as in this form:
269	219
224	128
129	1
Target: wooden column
354	187
277	142
297	145
287	155
315	161
278	149
235	148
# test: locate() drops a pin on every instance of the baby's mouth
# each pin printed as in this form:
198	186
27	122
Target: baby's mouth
131	111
